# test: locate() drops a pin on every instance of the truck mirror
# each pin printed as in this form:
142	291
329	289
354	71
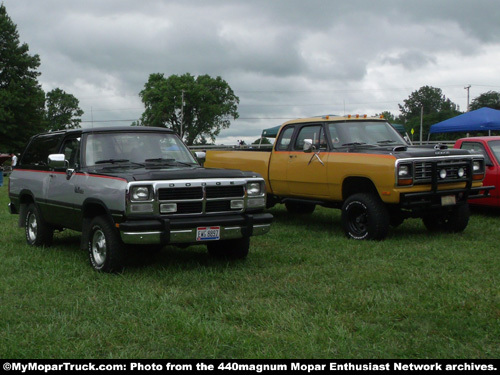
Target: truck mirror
308	145
200	155
57	161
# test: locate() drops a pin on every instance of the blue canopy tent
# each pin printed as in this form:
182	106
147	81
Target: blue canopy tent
483	119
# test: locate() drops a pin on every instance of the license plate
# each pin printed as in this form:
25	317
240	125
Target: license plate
448	200
207	233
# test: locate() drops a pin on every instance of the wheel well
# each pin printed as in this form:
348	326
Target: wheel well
355	185
24	201
89	211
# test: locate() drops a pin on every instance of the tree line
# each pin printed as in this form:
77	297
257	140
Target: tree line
197	108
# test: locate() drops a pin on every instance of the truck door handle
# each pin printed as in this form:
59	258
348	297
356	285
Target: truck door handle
293	156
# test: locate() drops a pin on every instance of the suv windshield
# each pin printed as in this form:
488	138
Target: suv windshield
364	133
137	148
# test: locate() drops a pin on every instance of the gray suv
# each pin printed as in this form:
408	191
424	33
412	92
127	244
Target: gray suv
133	185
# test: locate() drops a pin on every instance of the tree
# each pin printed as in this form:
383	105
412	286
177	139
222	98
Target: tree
62	111
262	141
21	96
436	108
430	98
196	108
490	99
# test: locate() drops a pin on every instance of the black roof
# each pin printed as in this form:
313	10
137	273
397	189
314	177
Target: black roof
111	129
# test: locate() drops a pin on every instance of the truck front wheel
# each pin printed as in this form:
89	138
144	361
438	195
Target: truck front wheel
452	221
234	249
365	217
106	250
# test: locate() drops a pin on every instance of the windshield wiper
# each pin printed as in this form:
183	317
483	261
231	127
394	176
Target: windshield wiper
119	161
168	161
387	141
355	144
112	161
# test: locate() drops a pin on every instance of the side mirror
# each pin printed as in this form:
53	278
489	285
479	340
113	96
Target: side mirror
57	161
308	145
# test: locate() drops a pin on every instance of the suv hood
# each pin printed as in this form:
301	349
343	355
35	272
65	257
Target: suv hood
169	173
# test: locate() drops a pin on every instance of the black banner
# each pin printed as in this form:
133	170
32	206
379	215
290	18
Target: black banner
247	366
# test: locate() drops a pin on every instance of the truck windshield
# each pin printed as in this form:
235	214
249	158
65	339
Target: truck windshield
364	133
136	147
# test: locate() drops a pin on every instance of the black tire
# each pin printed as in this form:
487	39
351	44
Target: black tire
300	208
453	221
38	232
233	249
106	250
365	217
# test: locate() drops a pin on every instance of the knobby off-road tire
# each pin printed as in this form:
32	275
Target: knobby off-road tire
232	249
300	208
38	232
105	248
365	217
453	221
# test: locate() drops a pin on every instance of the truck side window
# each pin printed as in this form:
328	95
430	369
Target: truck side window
39	150
478	147
285	138
315	133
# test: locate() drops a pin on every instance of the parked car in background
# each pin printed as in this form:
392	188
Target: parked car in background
490	148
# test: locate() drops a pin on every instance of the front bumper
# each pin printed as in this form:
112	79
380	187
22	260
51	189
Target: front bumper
433	199
178	231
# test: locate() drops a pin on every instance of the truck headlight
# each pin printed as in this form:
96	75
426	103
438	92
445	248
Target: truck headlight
405	174
140	193
254	189
476	166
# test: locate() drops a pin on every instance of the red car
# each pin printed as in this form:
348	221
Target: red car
490	148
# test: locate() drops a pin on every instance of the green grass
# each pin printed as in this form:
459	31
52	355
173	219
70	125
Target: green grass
305	291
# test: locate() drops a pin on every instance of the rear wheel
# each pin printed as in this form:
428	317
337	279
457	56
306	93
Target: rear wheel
234	249
106	250
452	221
38	232
365	217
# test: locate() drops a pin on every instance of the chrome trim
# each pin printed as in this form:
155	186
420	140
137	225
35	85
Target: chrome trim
189	235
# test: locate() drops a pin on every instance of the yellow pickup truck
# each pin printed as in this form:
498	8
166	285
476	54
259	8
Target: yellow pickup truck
364	167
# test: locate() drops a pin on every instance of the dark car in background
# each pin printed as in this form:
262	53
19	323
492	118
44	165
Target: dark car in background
490	148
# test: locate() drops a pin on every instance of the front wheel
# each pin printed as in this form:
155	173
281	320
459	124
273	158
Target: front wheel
365	217
234	249
38	232
106	250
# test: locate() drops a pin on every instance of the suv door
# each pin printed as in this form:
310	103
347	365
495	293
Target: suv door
61	193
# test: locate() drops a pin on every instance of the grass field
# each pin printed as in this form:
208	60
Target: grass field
305	291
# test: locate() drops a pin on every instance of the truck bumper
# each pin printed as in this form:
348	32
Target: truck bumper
178	231
435	199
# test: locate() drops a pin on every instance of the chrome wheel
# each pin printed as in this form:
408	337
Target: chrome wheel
99	247
32	227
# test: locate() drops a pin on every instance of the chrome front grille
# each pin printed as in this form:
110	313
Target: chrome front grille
202	199
456	171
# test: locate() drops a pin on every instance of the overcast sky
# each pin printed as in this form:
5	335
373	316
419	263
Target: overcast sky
283	59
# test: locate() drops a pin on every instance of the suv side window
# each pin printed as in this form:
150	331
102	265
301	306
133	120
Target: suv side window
475	146
285	138
71	151
315	133
38	151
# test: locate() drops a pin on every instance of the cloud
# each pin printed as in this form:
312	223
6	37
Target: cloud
284	59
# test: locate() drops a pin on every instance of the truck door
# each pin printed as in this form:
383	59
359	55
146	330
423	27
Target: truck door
278	162
307	171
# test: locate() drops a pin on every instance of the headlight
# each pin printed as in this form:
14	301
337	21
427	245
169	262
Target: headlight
140	193
476	166
404	171
254	188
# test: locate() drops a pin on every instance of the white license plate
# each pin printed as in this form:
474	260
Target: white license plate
207	233
448	200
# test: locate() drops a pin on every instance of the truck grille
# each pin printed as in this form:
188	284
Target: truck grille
456	170
202	199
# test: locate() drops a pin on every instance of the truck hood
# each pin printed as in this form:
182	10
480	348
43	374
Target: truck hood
405	152
168	173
